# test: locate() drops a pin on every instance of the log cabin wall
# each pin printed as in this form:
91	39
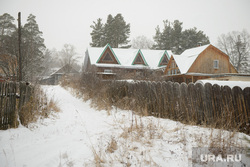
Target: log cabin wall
205	62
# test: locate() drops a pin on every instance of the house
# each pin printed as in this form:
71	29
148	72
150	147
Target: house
198	63
55	77
109	62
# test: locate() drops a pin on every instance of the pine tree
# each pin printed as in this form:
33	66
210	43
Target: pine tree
109	30
157	38
115	32
32	49
121	31
97	34
174	38
7	29
166	36
8	45
192	38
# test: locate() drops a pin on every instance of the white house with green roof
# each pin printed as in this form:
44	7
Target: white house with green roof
107	61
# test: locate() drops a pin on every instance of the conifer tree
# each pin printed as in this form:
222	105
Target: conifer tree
32	49
174	38
8	44
115	32
97	34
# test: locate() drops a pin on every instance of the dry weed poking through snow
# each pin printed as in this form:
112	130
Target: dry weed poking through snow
150	141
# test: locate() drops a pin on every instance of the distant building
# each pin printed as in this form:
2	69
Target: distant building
55	77
198	63
108	63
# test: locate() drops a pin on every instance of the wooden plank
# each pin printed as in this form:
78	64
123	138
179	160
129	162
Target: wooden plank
199	89
228	109
192	104
246	94
170	99
184	102
239	106
208	115
216	103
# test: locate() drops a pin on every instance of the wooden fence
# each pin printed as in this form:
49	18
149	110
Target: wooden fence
12	97
221	107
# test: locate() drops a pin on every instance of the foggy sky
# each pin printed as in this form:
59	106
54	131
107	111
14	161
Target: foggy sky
68	21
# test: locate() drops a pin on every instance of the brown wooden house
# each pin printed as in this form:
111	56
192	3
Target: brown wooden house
198	63
109	62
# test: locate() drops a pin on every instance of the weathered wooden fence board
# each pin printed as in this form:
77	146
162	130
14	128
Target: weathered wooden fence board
196	103
8	102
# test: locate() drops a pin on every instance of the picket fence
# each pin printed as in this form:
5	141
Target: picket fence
207	104
12	97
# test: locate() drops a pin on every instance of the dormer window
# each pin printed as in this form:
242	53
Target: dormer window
216	64
107	58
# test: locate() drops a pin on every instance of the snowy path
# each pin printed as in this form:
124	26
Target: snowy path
71	137
50	144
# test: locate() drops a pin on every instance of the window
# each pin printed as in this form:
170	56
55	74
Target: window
107	71
164	61
216	64
173	65
169	72
138	60
107	57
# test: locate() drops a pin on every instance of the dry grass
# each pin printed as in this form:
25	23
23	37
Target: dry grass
38	107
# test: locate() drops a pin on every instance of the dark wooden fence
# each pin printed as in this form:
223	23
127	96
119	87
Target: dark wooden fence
213	105
12	98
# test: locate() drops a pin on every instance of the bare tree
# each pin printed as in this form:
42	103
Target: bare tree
237	46
142	42
68	55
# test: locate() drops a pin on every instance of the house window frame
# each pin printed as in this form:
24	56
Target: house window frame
173	65
216	64
108	71
169	72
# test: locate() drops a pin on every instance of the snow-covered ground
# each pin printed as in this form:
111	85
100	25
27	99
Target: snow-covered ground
231	84
82	136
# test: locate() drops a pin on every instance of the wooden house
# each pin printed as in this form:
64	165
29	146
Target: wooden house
109	63
56	76
198	63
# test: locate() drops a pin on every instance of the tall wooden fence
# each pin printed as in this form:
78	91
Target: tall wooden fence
221	107
12	98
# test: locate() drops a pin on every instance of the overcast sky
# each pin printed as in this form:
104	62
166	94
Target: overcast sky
68	21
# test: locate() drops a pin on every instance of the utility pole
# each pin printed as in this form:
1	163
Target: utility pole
19	47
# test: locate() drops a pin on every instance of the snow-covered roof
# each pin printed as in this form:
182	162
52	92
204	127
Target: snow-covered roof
153	57
187	58
126	57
